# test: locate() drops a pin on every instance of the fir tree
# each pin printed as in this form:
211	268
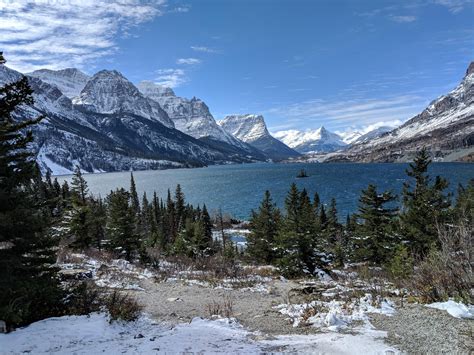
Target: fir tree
424	206
264	225
375	235
180	209
120	225
135	203
29	288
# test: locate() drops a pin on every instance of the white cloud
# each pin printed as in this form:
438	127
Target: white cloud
67	33
455	6
341	114
170	77
188	61
403	19
204	49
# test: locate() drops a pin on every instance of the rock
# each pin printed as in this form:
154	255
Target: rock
138	336
174	299
75	274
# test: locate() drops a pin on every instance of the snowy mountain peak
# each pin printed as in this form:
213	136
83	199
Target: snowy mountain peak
189	116
311	141
69	81
247	127
109	92
252	129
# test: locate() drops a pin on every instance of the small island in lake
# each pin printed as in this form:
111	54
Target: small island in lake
302	174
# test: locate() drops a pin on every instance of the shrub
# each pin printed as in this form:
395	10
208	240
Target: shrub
122	307
84	299
447	272
400	267
222	309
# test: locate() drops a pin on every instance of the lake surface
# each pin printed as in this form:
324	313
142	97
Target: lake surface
238	189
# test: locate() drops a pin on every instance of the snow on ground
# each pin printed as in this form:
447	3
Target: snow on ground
456	309
94	335
335	315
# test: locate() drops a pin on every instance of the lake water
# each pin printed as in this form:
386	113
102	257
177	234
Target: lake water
239	188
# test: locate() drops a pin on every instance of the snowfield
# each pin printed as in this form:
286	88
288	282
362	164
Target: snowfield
94	335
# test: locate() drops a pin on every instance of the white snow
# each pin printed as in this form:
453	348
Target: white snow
309	141
247	128
94	335
456	309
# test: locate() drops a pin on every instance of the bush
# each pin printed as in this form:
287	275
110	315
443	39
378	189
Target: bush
122	307
447	272
84	299
221	309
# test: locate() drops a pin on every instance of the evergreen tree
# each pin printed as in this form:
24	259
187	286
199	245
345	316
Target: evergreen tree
375	236
135	203
120	225
264	225
29	288
424	206
180	209
78	219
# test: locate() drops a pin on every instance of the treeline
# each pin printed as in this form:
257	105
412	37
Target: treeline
127	226
307	236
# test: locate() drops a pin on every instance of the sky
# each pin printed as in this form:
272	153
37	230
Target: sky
345	64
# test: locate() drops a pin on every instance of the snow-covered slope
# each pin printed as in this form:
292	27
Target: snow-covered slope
446	125
253	130
311	141
69	81
364	137
109	92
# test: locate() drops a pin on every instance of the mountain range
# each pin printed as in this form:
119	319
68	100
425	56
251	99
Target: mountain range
106	123
445	127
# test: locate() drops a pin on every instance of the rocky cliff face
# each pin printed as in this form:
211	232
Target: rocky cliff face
253	130
444	127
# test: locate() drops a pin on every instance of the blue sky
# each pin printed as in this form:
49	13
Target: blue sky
302	64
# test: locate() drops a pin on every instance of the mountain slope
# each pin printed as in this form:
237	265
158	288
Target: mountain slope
253	130
69	81
445	126
311	141
104	134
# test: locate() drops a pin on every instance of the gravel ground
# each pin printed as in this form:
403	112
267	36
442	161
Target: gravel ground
417	329
414	329
177	302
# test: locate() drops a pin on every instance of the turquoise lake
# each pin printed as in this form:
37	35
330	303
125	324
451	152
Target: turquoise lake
237	189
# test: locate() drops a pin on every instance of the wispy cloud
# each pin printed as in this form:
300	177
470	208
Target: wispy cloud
455	6
204	49
348	113
403	19
188	61
185	8
64	33
170	77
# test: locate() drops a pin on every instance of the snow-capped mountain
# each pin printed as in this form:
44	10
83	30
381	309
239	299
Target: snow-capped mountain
69	81
104	134
189	116
253	130
109	92
446	127
355	137
311	141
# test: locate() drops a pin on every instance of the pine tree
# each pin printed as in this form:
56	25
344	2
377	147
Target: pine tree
179	208
78	219
29	287
424	206
135	203
375	236
264	226
120	225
